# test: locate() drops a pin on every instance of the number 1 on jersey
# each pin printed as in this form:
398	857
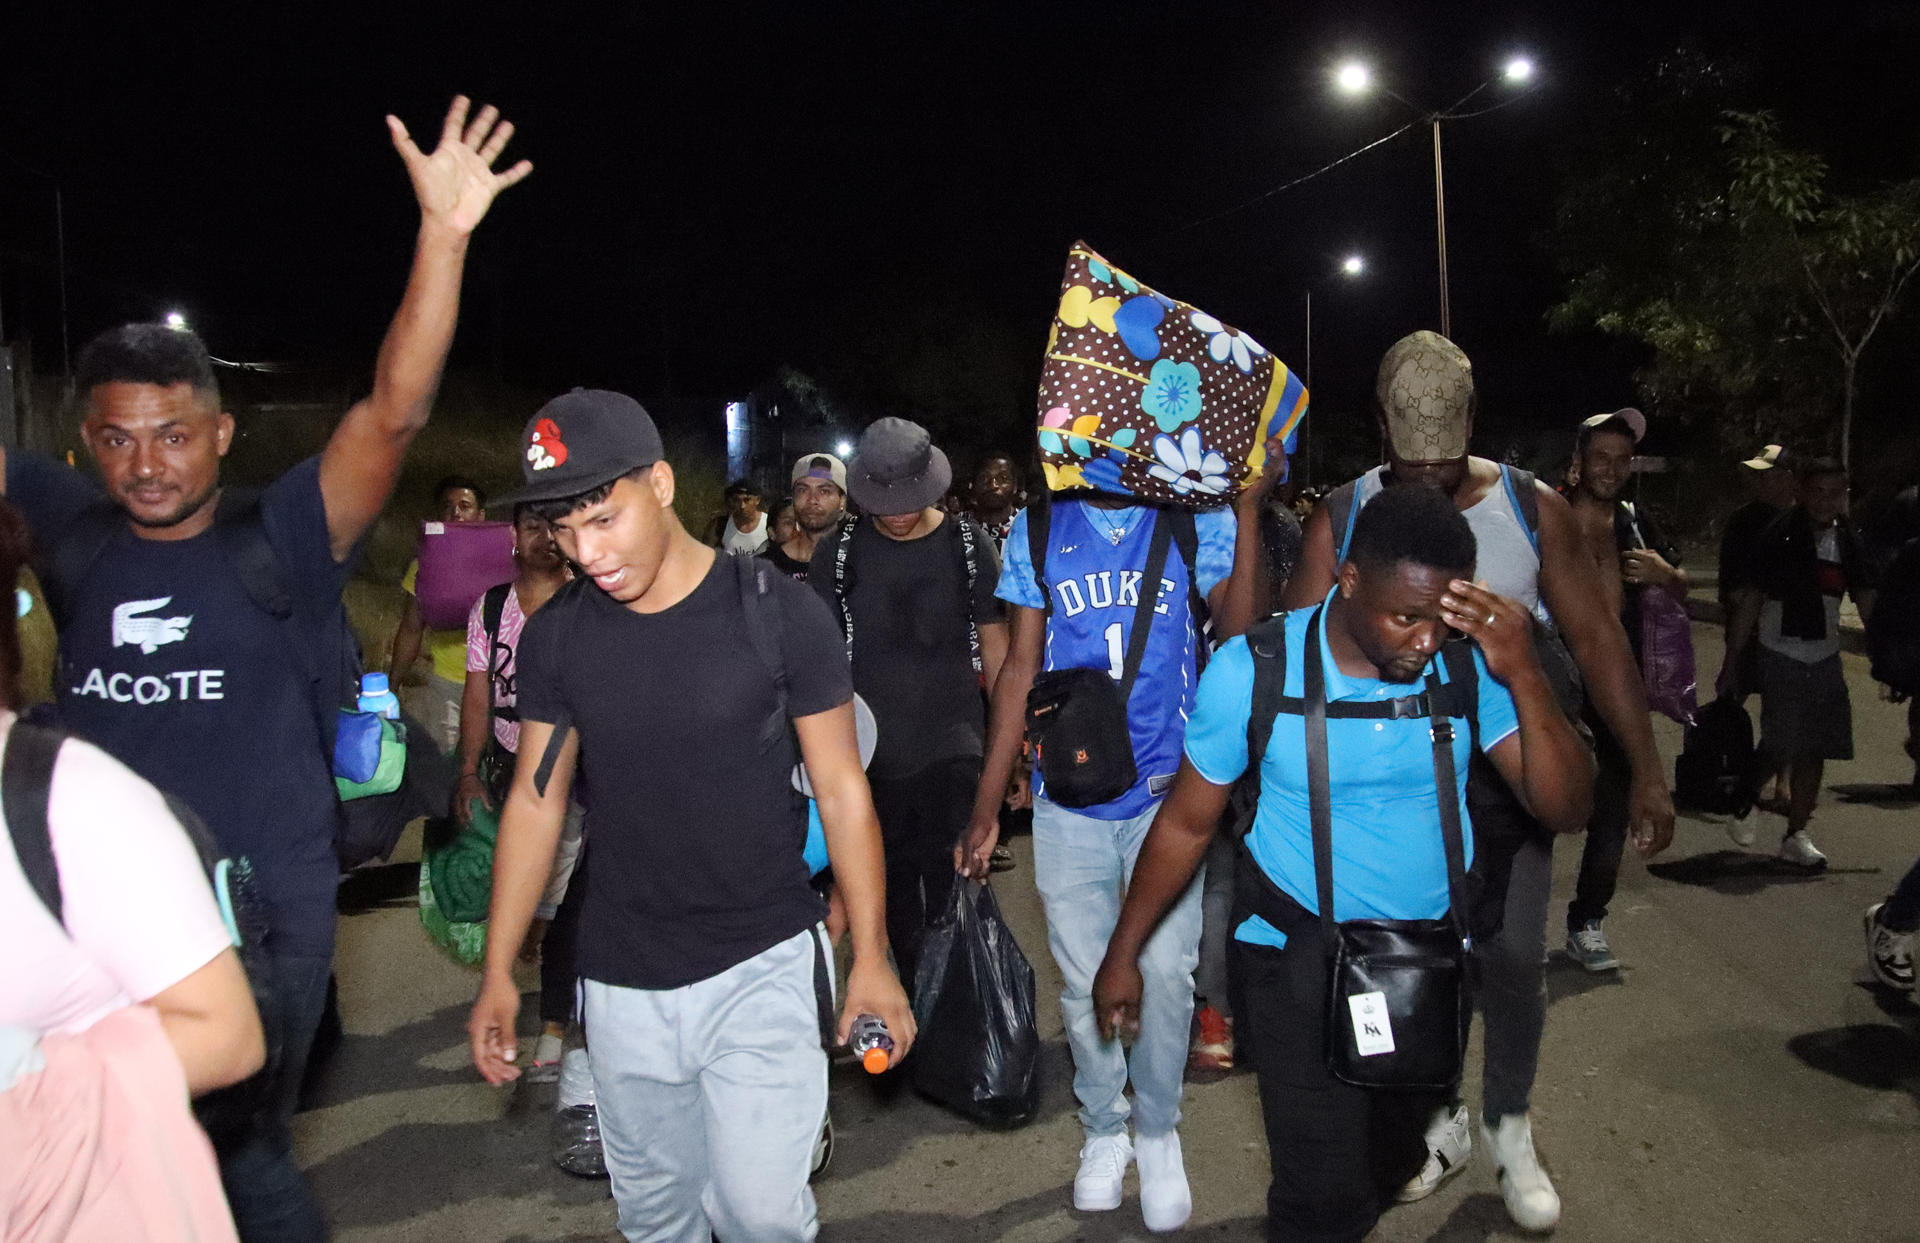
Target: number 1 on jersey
1116	655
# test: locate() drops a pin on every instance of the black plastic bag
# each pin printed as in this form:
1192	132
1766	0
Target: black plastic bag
978	1047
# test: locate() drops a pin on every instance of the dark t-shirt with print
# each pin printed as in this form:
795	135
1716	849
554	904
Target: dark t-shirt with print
168	665
697	829
911	656
796	570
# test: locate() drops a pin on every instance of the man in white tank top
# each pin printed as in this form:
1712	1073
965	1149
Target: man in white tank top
1426	405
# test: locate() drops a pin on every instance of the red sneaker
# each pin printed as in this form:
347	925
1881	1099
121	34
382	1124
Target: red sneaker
1213	1047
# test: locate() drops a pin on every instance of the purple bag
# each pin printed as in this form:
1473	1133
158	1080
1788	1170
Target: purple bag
1666	656
458	562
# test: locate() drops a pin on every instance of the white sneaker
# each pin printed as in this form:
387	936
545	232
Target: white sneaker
1889	953
1103	1171
1531	1200
1449	1146
1165	1199
1745	831
1798	849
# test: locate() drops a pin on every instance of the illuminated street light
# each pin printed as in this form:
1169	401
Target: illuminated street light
1353	265
844	449
176	321
1353	77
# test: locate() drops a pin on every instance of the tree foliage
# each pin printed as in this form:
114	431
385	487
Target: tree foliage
1695	229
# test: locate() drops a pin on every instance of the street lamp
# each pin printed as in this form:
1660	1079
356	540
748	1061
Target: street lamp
176	321
1351	266
843	450
1355	78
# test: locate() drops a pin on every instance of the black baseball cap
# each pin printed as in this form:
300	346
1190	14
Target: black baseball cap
580	440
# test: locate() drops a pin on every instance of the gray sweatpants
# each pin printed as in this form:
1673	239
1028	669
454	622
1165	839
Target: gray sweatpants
710	1099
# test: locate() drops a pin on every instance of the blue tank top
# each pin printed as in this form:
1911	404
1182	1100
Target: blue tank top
1093	583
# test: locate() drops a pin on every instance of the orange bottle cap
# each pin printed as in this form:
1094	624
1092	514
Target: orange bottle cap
875	1060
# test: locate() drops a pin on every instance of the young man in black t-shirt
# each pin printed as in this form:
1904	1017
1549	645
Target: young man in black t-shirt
169	665
913	589
704	966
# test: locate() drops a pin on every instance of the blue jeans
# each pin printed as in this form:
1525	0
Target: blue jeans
1081	867
265	1189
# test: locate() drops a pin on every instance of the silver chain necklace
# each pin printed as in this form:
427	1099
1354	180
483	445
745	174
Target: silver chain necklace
1115	532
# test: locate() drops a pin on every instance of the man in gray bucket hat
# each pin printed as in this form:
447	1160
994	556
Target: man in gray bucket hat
913	590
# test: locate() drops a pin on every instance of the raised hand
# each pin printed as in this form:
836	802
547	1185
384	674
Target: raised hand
1502	628
455	184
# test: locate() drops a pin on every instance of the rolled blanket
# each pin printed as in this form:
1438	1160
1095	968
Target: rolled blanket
462	870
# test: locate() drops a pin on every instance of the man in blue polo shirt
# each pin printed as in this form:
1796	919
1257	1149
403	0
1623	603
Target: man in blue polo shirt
1338	1151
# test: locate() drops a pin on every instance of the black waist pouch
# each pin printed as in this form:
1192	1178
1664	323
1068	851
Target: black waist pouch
1077	720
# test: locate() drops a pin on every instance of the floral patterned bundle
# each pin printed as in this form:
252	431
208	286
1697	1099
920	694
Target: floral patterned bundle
1147	397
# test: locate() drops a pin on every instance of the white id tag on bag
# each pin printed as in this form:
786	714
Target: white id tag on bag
1372	1030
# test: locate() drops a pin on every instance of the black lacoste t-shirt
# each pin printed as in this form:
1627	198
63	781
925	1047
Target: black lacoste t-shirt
168	666
696	829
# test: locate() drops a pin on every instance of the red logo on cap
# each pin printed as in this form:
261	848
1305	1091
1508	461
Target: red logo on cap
546	450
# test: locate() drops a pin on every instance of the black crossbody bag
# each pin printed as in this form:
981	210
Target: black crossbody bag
1398	1001
1077	718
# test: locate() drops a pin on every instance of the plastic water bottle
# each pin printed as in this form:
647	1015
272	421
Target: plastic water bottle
871	1043
576	1123
375	697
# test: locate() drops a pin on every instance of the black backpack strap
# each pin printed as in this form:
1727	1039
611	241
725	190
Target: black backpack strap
764	619
1446	789
243	533
1149	598
493	606
1186	537
969	542
1267	641
1039	520
73	553
843	577
26	784
1463	680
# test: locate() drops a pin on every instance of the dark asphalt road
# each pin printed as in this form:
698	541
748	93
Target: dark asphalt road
1739	1080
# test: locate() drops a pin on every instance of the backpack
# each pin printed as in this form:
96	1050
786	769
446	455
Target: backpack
365	828
1714	771
844	577
26	786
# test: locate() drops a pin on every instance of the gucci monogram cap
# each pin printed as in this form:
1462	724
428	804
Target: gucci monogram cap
1425	390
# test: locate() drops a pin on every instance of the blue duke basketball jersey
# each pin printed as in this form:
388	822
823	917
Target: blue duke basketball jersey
1095	559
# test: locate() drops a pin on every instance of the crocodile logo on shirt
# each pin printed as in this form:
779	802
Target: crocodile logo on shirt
147	633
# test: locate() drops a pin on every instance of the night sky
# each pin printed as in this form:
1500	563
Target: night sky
855	189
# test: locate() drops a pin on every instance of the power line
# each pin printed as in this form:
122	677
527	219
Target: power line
1267	194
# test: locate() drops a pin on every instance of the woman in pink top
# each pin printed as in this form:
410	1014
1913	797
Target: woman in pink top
111	1016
